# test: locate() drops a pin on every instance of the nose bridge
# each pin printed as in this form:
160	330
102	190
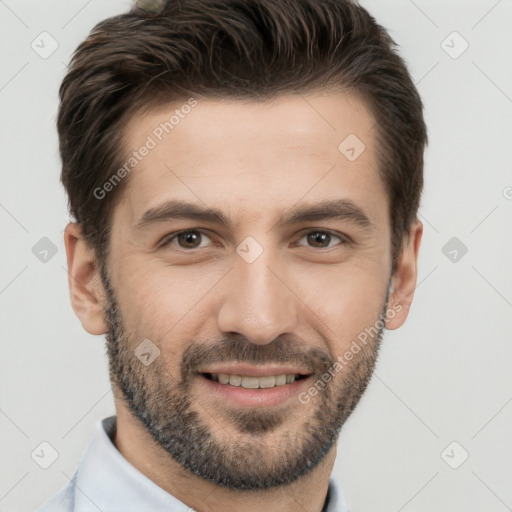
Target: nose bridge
256	303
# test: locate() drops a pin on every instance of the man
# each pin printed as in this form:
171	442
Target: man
245	178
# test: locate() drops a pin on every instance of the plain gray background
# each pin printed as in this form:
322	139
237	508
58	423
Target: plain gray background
443	386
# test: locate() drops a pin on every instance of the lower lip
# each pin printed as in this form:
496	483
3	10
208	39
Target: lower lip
256	397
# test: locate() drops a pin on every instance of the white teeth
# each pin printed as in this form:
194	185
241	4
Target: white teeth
235	380
268	382
223	378
249	382
281	380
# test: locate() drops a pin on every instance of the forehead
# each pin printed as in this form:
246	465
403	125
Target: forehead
251	156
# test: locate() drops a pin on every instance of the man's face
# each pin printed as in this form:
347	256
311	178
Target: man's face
261	296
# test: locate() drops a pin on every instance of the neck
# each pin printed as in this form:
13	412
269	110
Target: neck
141	451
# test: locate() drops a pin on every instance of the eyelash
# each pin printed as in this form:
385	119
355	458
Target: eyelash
168	240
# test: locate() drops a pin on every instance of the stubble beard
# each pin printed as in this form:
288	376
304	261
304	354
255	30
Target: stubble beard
167	409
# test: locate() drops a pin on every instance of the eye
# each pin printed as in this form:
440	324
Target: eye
321	239
189	239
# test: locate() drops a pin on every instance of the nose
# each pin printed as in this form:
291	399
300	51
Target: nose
258	302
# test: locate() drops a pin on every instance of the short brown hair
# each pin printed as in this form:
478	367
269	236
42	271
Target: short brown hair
254	49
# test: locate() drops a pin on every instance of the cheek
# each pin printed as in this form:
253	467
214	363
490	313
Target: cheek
345	303
172	305
163	303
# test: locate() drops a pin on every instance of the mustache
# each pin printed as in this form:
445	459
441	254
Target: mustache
238	349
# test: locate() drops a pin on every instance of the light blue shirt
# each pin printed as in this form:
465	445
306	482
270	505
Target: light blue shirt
105	481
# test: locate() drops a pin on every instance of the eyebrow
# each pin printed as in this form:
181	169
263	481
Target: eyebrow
336	209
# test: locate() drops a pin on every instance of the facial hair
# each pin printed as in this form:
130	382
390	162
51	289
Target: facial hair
164	405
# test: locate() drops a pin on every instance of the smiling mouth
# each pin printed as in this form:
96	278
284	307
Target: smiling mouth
251	382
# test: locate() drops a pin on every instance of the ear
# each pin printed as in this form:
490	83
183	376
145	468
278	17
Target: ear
88	296
403	281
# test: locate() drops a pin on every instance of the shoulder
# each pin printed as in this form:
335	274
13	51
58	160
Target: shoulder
63	501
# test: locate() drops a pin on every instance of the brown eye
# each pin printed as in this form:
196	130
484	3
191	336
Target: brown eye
190	239
322	239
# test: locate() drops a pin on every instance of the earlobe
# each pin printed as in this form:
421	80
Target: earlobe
403	281
85	286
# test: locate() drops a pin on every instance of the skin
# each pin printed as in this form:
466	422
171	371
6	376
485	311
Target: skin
252	161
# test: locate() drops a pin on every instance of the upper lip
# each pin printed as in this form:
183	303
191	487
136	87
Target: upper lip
252	370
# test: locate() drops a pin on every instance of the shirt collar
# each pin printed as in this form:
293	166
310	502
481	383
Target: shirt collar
106	481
